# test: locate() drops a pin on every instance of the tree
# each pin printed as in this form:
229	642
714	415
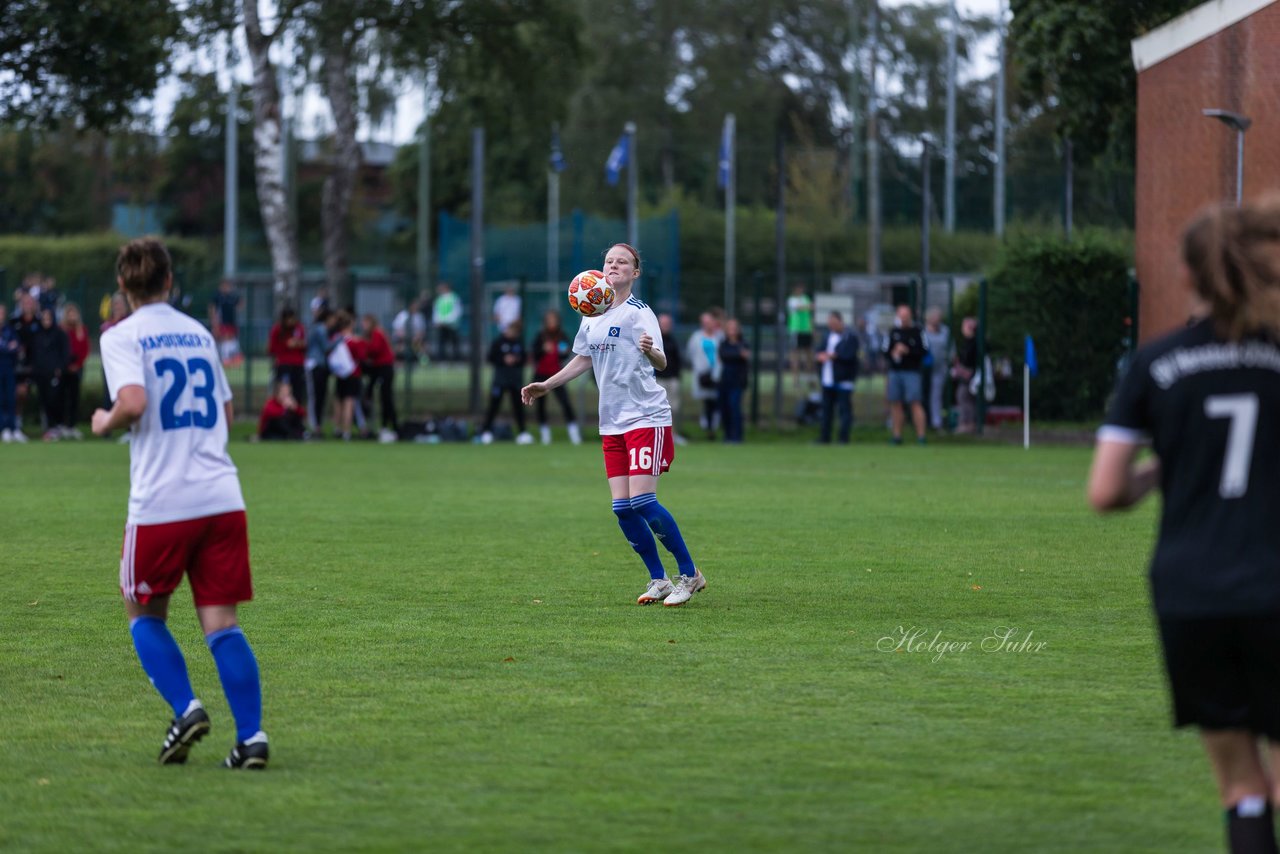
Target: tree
84	63
1075	56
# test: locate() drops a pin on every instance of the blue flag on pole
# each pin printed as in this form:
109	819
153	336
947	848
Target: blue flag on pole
557	156
1030	354
726	155
617	160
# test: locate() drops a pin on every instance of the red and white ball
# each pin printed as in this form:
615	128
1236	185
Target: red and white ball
590	293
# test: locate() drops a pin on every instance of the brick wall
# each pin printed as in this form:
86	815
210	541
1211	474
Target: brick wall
1186	161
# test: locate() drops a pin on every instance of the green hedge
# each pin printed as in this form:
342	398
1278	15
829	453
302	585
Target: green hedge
1073	298
84	264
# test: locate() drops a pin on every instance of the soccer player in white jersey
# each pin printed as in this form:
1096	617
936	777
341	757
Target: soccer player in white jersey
624	346
186	512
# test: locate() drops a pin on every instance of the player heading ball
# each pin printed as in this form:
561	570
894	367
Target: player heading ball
186	511
623	345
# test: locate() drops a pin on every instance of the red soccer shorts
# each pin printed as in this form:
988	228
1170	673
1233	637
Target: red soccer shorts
213	551
645	450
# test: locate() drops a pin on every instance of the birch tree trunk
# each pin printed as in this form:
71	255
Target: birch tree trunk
335	209
269	162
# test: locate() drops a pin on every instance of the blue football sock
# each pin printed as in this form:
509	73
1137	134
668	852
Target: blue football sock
664	528
638	534
163	662
238	670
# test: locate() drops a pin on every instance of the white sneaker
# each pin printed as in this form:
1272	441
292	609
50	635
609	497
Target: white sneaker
659	589
6	435
19	437
575	433
387	437
681	440
524	438
486	438
685	587
545	432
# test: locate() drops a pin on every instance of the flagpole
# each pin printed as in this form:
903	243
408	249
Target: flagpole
553	210
730	234
633	220
1026	406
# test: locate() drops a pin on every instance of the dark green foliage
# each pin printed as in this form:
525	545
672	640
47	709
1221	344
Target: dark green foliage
1072	297
85	264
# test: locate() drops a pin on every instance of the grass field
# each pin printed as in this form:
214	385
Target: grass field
452	660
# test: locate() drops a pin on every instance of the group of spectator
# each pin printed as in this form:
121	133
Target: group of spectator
720	360
43	346
509	356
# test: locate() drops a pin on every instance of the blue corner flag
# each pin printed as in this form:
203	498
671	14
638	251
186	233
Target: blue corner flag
1032	365
726	141
617	159
557	156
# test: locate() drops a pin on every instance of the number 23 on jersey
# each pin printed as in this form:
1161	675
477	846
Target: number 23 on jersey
204	415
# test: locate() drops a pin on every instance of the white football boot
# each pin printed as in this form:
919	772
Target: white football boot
545	432
575	434
524	438
685	587
659	589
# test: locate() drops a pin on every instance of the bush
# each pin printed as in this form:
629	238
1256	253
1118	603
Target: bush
1073	298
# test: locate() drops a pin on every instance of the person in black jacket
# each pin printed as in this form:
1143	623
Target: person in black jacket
507	354
837	370
49	353
906	348
735	357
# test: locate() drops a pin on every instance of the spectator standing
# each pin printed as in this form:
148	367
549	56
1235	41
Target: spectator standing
25	327
345	357
49	297
9	431
507	355
50	353
287	344
223	311
409	332
837	373
905	349
282	417
669	376
380	367
735	361
507	308
963	368
704	360
800	327
78	342
937	338
320	342
446	317
550	351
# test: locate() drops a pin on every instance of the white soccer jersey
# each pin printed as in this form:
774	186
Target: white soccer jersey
630	397
178	463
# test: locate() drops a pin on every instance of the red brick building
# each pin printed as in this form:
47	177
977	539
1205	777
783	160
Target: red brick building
1224	54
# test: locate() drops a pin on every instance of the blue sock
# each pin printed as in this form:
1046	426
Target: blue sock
163	662
664	528
238	670
638	534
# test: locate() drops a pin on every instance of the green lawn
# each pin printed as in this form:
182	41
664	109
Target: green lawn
452	660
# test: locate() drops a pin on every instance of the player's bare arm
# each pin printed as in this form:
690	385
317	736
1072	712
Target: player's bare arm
1116	481
576	367
657	358
130	403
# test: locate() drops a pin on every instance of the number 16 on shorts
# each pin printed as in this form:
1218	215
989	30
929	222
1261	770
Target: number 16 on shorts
645	450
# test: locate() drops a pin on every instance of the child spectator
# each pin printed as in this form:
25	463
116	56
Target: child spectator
507	355
344	361
550	351
50	353
9	431
380	367
282	417
319	344
78	341
287	344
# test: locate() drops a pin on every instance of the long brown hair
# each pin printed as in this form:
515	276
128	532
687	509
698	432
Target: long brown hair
1234	258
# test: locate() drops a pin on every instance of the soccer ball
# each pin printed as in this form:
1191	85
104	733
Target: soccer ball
590	293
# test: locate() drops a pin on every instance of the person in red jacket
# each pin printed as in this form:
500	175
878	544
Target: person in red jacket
550	351
282	417
78	337
287	345
380	367
344	361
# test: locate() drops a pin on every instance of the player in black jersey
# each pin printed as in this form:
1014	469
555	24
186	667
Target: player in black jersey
1208	399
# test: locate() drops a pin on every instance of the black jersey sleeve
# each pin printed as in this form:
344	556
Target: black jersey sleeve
1128	418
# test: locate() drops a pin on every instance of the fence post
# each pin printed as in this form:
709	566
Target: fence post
246	357
982	355
757	279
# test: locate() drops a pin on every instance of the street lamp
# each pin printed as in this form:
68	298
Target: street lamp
1239	124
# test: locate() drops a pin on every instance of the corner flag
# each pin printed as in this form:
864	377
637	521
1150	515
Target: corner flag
617	160
1030	356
